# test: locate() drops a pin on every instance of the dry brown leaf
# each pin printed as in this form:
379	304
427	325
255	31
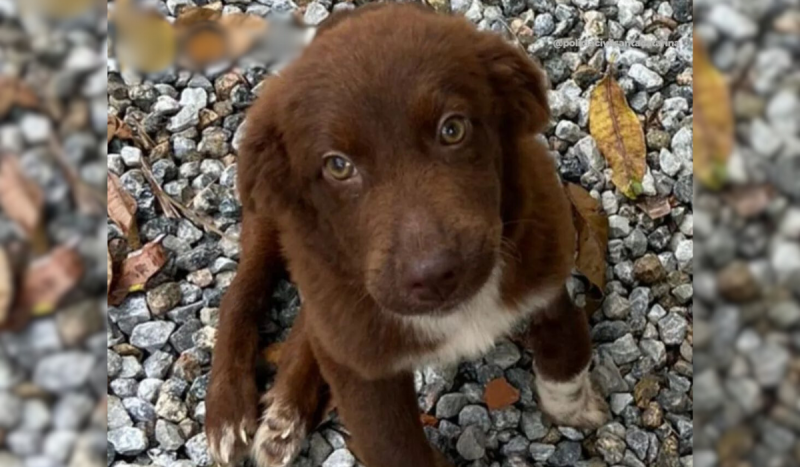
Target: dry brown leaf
428	420
500	394
656	207
23	201
118	129
713	134
49	279
122	210
592	227
136	270
619	135
6	286
272	354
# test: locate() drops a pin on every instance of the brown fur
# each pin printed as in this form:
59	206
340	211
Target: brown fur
373	85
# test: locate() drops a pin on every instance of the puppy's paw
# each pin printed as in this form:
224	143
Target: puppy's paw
231	418
281	433
576	403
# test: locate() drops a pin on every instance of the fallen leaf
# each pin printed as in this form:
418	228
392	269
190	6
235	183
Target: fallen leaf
655	207
6	286
272	354
428	420
118	129
619	135
146	41
499	394
591	225
49	279
23	201
713	134
122	210
136	270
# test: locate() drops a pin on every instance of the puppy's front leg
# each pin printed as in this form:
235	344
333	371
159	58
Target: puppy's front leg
232	399
382	415
562	350
294	405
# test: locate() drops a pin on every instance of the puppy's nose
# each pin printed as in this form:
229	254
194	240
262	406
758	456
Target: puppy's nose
432	278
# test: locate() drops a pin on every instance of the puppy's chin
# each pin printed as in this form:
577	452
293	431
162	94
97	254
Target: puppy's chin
475	281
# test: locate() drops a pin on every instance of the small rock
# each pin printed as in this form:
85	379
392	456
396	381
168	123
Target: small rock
647	78
672	328
153	335
128	441
567	454
471	444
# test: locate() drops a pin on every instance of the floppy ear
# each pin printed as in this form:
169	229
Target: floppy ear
520	86
262	154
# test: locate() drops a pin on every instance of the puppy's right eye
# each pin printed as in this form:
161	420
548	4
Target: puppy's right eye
339	167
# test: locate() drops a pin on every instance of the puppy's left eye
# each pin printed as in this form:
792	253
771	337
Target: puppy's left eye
339	167
453	130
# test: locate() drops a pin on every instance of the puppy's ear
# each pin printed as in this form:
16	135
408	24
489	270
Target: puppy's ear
519	85
262	153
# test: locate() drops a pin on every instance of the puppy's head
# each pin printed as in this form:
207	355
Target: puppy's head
385	146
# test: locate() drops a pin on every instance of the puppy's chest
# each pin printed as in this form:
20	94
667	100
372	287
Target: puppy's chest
473	329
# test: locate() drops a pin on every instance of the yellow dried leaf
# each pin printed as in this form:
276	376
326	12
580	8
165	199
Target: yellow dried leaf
591	225
713	132
122	210
619	135
6	286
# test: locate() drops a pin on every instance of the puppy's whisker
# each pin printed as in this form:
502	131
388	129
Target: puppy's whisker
510	244
508	255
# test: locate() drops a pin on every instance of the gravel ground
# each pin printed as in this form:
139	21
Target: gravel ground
52	375
160	342
747	325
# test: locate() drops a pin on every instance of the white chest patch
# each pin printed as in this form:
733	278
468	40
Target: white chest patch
472	330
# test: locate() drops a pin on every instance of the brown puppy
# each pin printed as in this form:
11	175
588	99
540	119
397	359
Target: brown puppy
392	169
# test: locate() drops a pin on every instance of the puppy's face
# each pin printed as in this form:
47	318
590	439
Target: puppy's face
394	130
